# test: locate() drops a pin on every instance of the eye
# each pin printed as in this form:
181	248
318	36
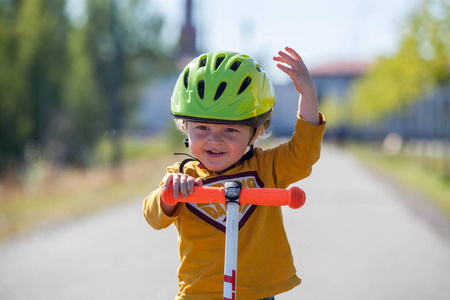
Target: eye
231	130
201	127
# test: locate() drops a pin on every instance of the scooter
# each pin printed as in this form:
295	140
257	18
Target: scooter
234	194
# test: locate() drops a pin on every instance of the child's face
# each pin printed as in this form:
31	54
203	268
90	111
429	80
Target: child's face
218	146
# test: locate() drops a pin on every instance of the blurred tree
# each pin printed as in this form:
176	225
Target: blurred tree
335	111
10	87
420	64
125	48
82	101
65	82
34	55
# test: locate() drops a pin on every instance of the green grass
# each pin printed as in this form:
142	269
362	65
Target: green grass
409	171
51	196
138	148
57	196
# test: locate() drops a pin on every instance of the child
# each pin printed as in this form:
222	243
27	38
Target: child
223	102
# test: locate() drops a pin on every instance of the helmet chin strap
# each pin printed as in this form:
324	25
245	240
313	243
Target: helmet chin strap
255	129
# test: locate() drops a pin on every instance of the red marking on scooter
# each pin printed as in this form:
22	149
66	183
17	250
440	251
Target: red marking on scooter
234	195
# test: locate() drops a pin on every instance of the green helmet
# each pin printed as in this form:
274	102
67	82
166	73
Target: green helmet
224	88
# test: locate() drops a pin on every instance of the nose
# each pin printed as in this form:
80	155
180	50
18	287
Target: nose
215	137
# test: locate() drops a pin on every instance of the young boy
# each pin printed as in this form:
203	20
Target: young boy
223	102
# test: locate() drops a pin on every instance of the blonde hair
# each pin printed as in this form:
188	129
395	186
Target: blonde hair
181	125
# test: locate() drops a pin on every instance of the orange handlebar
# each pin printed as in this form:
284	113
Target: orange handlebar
293	197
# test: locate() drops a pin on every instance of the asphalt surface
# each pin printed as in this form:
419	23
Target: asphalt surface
357	237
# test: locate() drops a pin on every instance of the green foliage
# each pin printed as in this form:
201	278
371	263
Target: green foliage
335	110
82	98
137	148
34	55
408	171
66	80
420	64
176	138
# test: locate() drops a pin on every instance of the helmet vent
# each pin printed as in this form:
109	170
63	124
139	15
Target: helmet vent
186	78
201	88
235	65
220	90
202	62
258	68
244	84
219	60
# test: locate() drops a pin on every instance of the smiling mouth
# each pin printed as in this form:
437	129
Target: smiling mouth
211	152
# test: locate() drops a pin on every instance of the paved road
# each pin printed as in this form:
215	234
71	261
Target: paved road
356	238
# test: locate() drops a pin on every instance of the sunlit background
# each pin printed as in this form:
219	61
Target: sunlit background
85	85
322	31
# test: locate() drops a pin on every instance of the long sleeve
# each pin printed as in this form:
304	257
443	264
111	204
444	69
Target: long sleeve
292	161
262	238
154	214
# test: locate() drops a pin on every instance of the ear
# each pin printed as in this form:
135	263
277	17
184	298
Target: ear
185	126
258	132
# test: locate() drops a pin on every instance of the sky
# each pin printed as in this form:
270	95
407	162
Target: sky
321	31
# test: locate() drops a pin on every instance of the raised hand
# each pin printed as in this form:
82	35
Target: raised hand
296	70
292	64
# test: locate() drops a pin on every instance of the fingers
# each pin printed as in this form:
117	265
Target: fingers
294	54
285	58
182	184
291	58
198	182
293	65
286	70
167	181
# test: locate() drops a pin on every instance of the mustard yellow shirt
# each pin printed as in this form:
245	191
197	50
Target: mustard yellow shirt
265	263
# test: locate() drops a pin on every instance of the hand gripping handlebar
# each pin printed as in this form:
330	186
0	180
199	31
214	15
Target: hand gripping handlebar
293	197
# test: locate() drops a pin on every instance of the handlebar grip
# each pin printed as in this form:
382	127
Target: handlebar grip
201	194
293	197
